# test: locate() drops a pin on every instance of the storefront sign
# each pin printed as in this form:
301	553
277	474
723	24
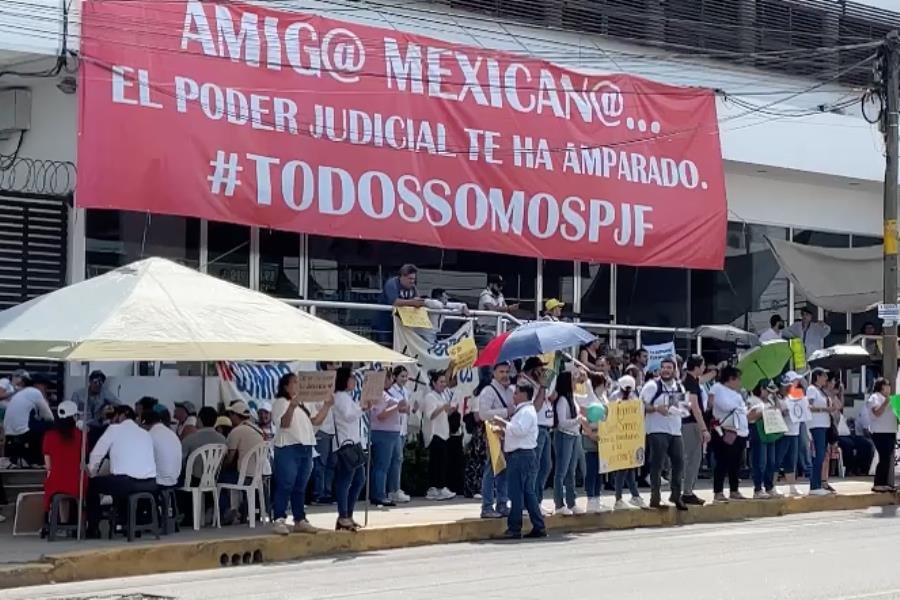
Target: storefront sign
292	121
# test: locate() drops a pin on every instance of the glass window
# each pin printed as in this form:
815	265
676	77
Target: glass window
228	254
559	283
279	263
115	238
355	270
750	289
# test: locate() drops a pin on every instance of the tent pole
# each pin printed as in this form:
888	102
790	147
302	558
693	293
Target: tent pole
368	472
203	385
84	436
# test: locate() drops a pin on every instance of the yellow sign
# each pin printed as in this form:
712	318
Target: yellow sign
416	318
621	436
463	354
798	352
316	386
890	237
495	448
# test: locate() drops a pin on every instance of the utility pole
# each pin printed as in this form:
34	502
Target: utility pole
890	78
891	81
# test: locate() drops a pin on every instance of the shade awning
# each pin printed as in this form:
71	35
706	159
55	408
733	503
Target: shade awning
836	279
158	310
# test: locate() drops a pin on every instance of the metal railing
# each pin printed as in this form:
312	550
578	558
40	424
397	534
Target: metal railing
503	321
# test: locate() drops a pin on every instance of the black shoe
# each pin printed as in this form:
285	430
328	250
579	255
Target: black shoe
680	505
536	534
323	501
659	505
383	503
693	500
512	535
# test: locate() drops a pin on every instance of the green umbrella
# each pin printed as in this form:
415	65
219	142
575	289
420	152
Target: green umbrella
764	362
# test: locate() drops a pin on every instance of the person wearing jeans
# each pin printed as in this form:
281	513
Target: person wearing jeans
763	460
729	435
385	423
818	428
294	443
883	425
399	395
323	464
533	373
519	443
349	480
567	419
495	400
665	404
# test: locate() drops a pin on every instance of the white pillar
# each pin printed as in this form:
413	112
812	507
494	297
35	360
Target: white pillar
76	246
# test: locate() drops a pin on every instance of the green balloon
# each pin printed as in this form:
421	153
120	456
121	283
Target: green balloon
596	412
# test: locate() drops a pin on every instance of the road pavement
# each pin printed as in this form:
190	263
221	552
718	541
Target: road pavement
817	556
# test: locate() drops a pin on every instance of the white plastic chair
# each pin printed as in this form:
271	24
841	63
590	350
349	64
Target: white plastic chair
258	455
211	456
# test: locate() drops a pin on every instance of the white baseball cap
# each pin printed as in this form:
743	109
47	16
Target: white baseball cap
66	409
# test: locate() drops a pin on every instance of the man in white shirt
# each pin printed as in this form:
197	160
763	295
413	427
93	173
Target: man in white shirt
665	404
812	332
495	400
520	435
440	300
25	421
491	298
775	330
132	466
166	446
533	373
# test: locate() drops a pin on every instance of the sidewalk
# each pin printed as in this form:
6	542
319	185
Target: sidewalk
31	560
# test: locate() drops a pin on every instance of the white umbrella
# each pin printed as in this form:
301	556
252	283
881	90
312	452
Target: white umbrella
156	309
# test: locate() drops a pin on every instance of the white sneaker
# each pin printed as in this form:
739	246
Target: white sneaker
446	494
593	505
602	508
281	527
794	492
761	495
819	492
565	511
546	512
577	510
622	505
400	497
775	494
638	502
432	494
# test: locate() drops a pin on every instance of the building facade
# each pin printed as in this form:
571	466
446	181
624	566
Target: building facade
800	161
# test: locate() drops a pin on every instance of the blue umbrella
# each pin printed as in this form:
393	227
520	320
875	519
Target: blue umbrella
541	337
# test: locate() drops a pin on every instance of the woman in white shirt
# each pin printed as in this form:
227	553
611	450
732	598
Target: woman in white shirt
349	478
883	425
729	433
786	448
567	422
295	439
399	394
818	428
438	406
385	423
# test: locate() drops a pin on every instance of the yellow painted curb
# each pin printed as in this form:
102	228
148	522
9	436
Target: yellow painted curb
196	555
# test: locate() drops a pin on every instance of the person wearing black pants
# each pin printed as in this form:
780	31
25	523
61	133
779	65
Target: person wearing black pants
438	405
883	425
729	434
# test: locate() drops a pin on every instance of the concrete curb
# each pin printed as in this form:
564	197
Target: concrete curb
196	555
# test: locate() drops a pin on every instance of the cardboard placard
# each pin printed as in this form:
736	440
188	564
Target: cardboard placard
463	354
621	436
316	386
495	448
372	387
417	318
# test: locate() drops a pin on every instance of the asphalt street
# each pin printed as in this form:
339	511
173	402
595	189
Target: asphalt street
817	556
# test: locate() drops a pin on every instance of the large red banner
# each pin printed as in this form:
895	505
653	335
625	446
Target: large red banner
237	113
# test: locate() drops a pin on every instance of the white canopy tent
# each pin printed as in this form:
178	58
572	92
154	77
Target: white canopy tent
156	309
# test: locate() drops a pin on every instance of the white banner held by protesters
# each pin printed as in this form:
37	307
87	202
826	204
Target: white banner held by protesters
253	382
431	356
